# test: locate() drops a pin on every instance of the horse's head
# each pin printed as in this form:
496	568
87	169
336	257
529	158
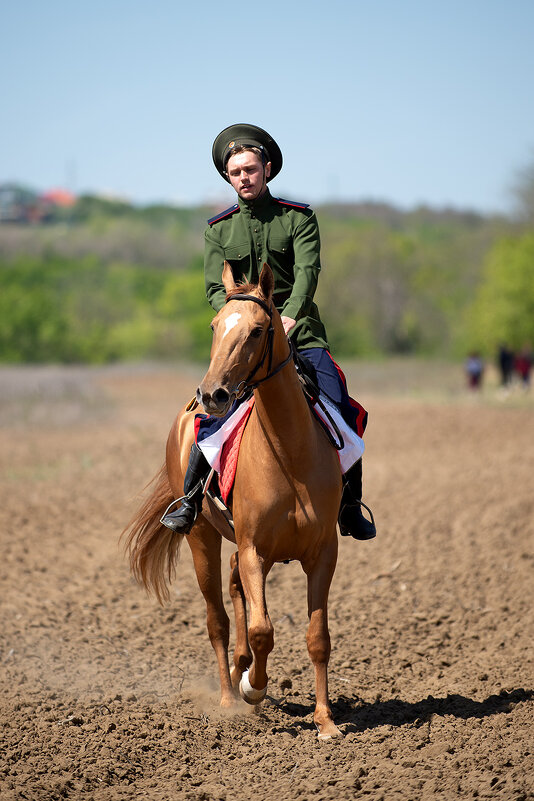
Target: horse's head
245	332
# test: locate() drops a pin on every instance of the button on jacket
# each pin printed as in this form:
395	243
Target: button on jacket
284	235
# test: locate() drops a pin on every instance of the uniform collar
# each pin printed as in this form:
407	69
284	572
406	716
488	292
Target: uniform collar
256	205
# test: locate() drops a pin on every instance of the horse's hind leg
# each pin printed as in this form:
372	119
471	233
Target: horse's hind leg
205	544
242	653
318	637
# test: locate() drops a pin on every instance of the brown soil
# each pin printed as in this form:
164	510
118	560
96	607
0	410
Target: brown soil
106	695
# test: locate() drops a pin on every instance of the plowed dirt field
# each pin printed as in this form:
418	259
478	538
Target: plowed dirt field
106	695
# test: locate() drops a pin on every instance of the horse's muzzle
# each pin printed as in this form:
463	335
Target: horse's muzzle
216	403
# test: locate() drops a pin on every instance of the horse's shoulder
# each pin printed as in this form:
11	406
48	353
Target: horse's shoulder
223	215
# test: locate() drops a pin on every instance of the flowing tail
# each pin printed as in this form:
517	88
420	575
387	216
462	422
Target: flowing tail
152	548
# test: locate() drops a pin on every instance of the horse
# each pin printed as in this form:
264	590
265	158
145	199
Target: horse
284	502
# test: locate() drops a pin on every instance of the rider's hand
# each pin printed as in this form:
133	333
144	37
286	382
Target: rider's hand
288	323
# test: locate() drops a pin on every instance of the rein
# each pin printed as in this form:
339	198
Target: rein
268	351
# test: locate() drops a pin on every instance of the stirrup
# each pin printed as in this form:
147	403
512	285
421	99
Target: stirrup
370	512
202	484
347	531
189	497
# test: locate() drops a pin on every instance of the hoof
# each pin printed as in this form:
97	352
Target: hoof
248	693
328	732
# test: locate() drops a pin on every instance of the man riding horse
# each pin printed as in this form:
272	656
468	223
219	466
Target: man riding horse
262	229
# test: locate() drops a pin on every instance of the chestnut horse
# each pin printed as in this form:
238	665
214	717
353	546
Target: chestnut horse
284	502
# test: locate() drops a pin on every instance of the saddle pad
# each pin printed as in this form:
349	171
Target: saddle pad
229	454
221	447
353	445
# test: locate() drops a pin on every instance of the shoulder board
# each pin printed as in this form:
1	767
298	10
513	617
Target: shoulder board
292	203
223	214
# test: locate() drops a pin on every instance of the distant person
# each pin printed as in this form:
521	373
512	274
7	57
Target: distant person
523	365
474	369
506	360
258	229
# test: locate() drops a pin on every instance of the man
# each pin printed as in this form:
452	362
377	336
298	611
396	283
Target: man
257	229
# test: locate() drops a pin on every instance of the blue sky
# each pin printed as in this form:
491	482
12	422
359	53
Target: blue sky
406	101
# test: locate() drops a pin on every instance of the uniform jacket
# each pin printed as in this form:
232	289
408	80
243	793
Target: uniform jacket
281	233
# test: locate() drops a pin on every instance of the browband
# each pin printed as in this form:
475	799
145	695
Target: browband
259	301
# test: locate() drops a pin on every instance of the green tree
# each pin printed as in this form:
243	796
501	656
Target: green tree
503	310
183	303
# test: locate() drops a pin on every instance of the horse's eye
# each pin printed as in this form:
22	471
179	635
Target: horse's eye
256	332
212	327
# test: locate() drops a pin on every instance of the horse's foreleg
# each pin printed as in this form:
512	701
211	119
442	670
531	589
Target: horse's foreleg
253	571
318	637
242	654
205	544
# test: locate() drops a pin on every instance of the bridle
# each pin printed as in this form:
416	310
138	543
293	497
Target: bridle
247	384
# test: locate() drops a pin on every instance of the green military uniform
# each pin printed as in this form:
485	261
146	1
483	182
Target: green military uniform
284	235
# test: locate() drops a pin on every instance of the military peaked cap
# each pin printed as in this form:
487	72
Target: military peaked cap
247	136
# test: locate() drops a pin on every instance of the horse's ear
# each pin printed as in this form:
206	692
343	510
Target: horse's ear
266	282
228	277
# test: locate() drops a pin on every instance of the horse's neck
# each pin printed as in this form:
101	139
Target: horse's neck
282	406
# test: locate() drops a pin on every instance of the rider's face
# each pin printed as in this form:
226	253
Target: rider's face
246	175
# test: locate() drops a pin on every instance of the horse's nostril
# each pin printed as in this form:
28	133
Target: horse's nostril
221	396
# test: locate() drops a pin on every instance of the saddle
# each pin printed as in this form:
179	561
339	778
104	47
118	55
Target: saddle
307	374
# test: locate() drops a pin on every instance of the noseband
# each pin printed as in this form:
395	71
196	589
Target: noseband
247	384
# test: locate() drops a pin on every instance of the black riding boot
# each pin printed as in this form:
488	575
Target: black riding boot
351	521
182	519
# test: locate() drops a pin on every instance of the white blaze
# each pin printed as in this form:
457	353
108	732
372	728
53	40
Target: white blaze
231	322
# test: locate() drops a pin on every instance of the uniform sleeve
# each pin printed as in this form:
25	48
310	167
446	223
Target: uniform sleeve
306	248
213	267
